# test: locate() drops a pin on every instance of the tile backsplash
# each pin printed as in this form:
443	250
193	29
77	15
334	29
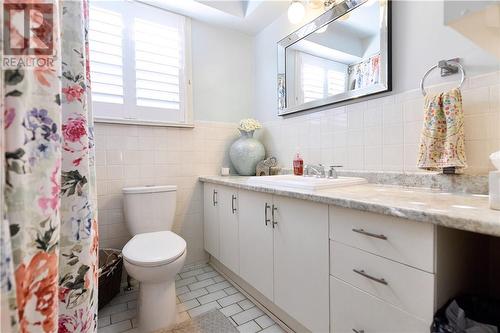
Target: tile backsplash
130	155
382	134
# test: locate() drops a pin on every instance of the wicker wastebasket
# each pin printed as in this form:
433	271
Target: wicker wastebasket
110	274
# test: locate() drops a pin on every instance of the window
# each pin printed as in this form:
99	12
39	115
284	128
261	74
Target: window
139	63
320	78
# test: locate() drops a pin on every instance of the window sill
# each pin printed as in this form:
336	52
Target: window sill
141	122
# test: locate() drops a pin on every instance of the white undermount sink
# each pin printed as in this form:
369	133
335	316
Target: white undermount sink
305	183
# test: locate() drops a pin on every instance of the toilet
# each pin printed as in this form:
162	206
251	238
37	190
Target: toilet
155	254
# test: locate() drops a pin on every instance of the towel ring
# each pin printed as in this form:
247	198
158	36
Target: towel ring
446	69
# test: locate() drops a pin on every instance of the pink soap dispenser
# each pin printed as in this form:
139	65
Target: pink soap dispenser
298	165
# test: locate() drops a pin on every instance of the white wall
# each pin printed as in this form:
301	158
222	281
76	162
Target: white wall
420	39
223	79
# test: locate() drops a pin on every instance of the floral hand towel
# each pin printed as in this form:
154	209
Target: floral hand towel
442	142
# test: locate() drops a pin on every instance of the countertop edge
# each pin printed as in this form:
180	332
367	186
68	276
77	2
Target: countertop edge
440	219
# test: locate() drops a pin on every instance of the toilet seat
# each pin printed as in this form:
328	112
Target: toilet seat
154	248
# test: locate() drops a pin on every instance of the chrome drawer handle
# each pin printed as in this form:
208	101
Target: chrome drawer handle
214	198
233	206
266	207
362	273
366	233
274	209
358	331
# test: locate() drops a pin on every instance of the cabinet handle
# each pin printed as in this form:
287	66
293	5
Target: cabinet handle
266	207
358	331
366	233
233	206
214	197
274	209
362	273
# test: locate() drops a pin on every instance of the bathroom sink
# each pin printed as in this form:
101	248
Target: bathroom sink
305	183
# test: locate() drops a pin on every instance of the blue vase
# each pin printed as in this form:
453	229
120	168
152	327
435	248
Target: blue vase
245	153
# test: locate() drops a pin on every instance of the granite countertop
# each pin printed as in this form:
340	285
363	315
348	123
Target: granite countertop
468	212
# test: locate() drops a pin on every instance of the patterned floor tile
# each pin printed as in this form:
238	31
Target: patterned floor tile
199	289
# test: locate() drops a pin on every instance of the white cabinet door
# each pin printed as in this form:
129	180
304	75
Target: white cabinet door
256	241
228	219
211	219
301	261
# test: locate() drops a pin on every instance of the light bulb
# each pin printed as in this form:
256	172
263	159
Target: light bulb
296	12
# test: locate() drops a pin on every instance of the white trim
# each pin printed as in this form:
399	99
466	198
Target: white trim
124	121
188	73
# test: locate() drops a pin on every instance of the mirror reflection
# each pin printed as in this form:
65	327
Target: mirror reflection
342	56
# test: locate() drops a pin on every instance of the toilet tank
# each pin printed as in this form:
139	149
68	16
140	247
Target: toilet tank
149	208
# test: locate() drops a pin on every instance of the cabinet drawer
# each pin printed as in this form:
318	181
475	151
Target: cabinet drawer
352	309
407	288
405	241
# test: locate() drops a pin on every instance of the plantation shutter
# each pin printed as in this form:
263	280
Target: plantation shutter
336	82
312	82
138	63
158	68
106	55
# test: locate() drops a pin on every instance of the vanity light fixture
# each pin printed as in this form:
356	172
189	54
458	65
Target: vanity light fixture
296	12
330	3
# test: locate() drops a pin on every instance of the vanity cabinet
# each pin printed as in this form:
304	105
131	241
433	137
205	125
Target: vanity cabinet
354	310
301	261
211	219
220	224
256	241
382	273
325	268
276	244
228	227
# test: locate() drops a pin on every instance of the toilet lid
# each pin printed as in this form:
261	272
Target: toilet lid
154	248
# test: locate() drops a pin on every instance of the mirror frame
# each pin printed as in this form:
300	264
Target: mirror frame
328	17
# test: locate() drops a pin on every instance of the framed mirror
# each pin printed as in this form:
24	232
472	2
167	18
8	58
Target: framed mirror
343	54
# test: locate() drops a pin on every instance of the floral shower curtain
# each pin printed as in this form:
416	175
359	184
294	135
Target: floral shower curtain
48	237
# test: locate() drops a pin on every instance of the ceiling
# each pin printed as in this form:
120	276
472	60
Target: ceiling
363	21
248	16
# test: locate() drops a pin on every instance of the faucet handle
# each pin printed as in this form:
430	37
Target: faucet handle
332	173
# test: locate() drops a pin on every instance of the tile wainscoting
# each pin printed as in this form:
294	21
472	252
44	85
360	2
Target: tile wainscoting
383	133
130	155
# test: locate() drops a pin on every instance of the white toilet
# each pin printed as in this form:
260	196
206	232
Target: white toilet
155	254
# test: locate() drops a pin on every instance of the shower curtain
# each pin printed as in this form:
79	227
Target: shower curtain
48	238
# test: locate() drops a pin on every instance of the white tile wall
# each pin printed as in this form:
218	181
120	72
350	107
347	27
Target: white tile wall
383	133
129	155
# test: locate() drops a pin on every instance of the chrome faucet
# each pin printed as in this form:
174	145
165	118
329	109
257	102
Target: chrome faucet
315	170
318	171
332	173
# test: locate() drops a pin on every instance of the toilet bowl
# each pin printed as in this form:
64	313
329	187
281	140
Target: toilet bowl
154	255
154	259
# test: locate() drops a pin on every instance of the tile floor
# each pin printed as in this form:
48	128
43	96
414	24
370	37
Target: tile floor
199	289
